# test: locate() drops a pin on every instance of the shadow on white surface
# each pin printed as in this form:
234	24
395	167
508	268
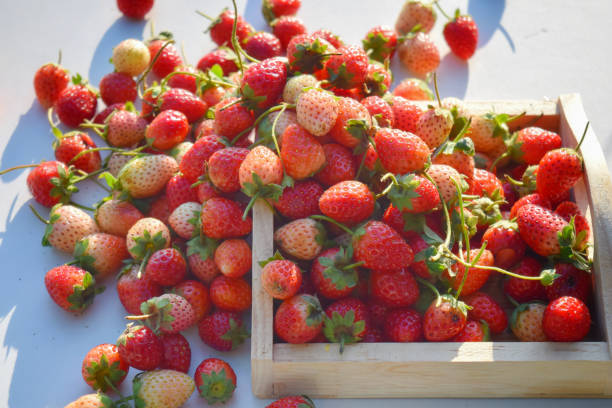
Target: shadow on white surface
8	359
488	15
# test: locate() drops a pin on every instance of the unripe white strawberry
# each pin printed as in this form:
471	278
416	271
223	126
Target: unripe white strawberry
526	322
146	176
179	150
300	238
415	12
90	401
434	125
131	57
163	388
147	235
481	132
295	85
317	111
443	176
183	219
66	226
419	54
117	161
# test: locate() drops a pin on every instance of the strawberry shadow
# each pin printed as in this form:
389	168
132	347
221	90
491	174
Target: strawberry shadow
488	16
453	76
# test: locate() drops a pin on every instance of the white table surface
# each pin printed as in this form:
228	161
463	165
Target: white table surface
527	50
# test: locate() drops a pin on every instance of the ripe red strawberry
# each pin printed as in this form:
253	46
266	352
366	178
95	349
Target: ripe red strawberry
263	83
215	380
403	325
70	145
484	307
272	9
346	321
135	9
405	114
116	217
223	331
222	218
300	401
184	81
444	175
66	226
307	54
262	46
419	54
204	268
570	282
133	290
232	120
76	103
205	190
287	27
70	287
413	194
140	348
461	35
317	111
476	277
526	322
539	228
569	209
523	290
117	87
434	125
168	59
558	171
168	129
101	254
281	278
301	238
415	12
103	365
49	81
349	69
473	331
221	29
330	37
166	267
445	318
566	319
125	129
348	202
300	201
177	352
504	241
530	144
101	116
183	101
328	275
400	152
233	257
160	209
197	296
298	319
224	57
349	110
418	244
180	191
534	198
414	89
223	168
192	163
168	313
231	294
484	182
381	248
394	288
380	110
301	153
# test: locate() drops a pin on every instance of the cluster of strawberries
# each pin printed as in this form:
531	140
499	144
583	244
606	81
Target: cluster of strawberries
385	204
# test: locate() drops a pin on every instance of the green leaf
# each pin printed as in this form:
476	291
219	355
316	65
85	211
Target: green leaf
203	246
402	193
276	257
342	78
309	57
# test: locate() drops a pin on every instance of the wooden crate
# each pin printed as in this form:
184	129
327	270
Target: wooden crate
490	369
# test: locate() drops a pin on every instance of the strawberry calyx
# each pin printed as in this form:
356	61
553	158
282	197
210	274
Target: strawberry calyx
259	189
341	78
340	269
216	387
81	256
343	329
129	332
374	83
401	191
156	314
377	46
486	209
527	185
267	11
276	257
470	221
360	130
237	334
314	311
103	375
203	246
310	57
83	295
569	253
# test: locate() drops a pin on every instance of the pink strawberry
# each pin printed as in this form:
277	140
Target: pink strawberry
351	116
281	278
197	296
70	287
415	12
317	111
526	322
400	152
231	294
414	89
101	254
116	217
124	129
300	238
302	154
66	226
419	54
233	257
434	126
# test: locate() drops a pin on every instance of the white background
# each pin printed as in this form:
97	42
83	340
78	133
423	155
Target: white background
527	50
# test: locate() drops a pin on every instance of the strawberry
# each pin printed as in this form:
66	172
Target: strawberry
260	174
566	319
168	313
294	87
262	46
569	209
272	9
346	321
287	27
125	129
461	35
483	183
403	325
71	146
75	103
381	248
66	226
135	9
215	380
204	269
445	318
300	201
300	401
400	152
317	111
282	119
415	12
221	29
504	241
223	331
473	331
192	163
146	176
405	114
444	175
348	202
184	218
377	82
232	118
204	128
300	238
140	348
281	279
117	87
230	294
352	123
380	110
396	288
434	126
328	36
224	166
419	54
539	228
329	276
70	287
49	81
530	144
308	54
523	290
487	132
146	236
97	400
180	191
414	89
526	322
131	57
133	290
183	101
116	217
348	69
570	281
535	199
419	268
233	257
380	43
558	171
484	307
168	129
177	352
224	57
204	191
168	58
160	209
103	367
222	218
263	83
197	296
413	194
184	81
101	254
476	277
302	154
162	388
166	267
298	319
101	116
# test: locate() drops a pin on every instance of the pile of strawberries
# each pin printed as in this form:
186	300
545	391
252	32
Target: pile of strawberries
394	222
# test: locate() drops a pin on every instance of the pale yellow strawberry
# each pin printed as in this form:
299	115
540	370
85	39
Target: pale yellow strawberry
179	150
285	119
434	125
317	111
481	132
419	54
101	254
299	238
295	86
87	401
263	162
147	235
526	322
451	102
116	162
146	176
180	218
67	225
415	12
117	217
443	176
205	269
131	57
164	388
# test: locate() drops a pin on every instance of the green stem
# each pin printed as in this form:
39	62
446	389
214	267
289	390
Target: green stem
206	16
82	207
495	269
353	265
22	166
390	186
112	386
473	263
143	264
336	223
361	164
153	61
499	158
428	285
88	175
444	210
441	10
435	81
37	214
583	136
250	205
235	43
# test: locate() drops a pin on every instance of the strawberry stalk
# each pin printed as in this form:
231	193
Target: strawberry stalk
442	10
199	77
21	166
466	236
153	61
235	42
336	223
281	107
435	81
582	137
